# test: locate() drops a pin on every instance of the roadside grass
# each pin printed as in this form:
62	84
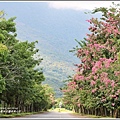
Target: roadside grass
12	115
61	110
93	116
78	114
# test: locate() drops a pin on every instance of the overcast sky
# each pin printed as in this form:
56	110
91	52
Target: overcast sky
80	5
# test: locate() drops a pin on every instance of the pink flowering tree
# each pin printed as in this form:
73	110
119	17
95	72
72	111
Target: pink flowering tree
98	74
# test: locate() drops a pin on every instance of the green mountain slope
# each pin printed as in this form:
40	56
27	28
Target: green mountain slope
56	66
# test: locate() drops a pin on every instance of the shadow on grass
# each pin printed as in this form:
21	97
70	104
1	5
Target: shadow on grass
92	116
18	114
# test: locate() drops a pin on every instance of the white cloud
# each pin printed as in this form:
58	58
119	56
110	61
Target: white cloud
80	5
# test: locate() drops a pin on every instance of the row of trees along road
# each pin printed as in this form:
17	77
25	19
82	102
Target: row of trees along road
20	83
95	87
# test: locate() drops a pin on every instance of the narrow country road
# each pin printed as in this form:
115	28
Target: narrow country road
53	115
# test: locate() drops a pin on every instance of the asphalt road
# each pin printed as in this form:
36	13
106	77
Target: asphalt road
53	115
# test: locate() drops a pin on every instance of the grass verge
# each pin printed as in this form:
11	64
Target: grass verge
91	116
61	110
77	114
18	114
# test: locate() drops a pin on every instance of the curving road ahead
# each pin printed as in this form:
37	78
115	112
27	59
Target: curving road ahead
53	115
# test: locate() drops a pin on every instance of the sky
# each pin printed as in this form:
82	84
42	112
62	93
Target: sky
75	5
80	5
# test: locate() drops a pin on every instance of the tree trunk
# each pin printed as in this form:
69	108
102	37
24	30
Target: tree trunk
115	113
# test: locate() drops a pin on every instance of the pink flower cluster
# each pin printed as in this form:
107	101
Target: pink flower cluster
98	65
79	77
94	90
97	58
117	73
92	82
107	62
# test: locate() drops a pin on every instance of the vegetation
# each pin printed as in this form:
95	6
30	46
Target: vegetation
13	115
93	90
63	110
95	87
20	81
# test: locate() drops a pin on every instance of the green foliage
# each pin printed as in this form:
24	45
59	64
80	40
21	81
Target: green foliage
2	84
2	15
20	81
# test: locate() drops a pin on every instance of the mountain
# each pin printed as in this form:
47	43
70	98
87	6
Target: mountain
55	30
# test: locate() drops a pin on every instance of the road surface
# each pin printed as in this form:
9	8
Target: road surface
53	114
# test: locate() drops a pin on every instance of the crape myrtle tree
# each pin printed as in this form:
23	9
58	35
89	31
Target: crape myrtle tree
20	80
95	87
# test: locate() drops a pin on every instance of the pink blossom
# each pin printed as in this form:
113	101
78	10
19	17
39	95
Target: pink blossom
94	69
98	47
112	83
78	105
88	59
107	81
64	90
116	98
80	89
108	13
113	104
79	77
94	90
88	78
113	49
117	73
101	87
116	93
102	59
79	50
86	52
107	62
83	60
90	28
88	21
92	83
118	90
97	66
104	77
95	77
113	96
72	83
109	31
103	100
